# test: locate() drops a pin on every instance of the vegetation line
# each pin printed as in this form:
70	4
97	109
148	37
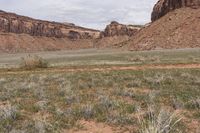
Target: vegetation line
99	69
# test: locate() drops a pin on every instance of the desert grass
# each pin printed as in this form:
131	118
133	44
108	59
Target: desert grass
53	102
107	57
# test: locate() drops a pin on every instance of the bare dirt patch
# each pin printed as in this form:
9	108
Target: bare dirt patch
92	127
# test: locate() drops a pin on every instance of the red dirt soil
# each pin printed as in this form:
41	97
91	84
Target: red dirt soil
16	43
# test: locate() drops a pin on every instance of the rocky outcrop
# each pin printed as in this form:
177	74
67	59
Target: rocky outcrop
177	29
116	29
164	6
116	35
12	23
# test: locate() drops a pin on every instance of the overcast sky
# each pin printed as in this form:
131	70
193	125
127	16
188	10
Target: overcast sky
88	13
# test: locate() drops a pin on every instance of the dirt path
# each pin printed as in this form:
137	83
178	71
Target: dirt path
102	68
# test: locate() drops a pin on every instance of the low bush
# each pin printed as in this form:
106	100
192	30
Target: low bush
32	62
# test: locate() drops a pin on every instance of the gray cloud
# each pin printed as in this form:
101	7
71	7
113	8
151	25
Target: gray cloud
89	13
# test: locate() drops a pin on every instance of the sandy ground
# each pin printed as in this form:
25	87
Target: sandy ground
94	127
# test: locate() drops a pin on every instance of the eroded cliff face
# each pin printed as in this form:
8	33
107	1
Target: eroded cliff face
24	34
117	29
12	23
164	6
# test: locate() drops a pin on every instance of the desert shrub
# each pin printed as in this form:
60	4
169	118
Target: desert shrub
177	103
8	112
40	126
143	59
137	59
192	58
32	62
154	59
87	111
193	104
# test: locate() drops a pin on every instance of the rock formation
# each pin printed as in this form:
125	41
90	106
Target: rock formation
115	35
12	23
24	34
164	6
116	29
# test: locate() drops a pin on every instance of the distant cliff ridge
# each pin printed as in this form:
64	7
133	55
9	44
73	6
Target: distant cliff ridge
24	34
13	23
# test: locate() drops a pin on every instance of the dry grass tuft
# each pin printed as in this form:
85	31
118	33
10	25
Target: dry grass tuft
164	122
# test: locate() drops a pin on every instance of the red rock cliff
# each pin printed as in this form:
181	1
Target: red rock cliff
12	23
164	6
116	29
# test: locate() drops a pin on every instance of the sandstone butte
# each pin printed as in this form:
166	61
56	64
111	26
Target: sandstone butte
175	24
